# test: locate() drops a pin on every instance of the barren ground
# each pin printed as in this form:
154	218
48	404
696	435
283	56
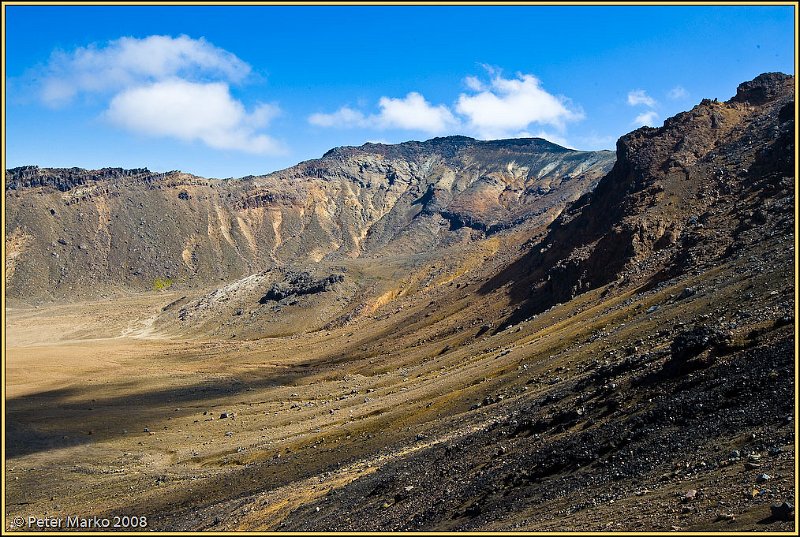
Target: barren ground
109	415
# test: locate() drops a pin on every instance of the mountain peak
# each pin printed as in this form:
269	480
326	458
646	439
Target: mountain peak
447	146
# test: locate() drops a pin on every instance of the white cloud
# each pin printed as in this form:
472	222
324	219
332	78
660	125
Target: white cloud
344	117
637	97
129	61
678	92
501	108
509	105
163	86
646	118
262	115
192	111
640	97
412	112
415	113
474	83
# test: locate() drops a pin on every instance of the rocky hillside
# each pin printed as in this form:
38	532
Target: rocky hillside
680	197
74	233
651	348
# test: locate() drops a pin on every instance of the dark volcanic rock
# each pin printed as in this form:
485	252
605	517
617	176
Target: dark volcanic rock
782	511
764	88
298	284
690	343
689	346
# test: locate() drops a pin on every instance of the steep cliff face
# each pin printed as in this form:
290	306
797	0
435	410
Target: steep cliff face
679	197
73	232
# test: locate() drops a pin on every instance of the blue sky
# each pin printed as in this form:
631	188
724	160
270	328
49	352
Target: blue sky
227	91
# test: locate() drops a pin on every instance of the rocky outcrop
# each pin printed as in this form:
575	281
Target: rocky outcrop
65	179
299	284
763	89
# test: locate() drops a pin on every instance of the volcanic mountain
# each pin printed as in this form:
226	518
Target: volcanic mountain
75	233
431	336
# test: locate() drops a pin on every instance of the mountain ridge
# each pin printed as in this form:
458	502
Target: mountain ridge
410	197
32	175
